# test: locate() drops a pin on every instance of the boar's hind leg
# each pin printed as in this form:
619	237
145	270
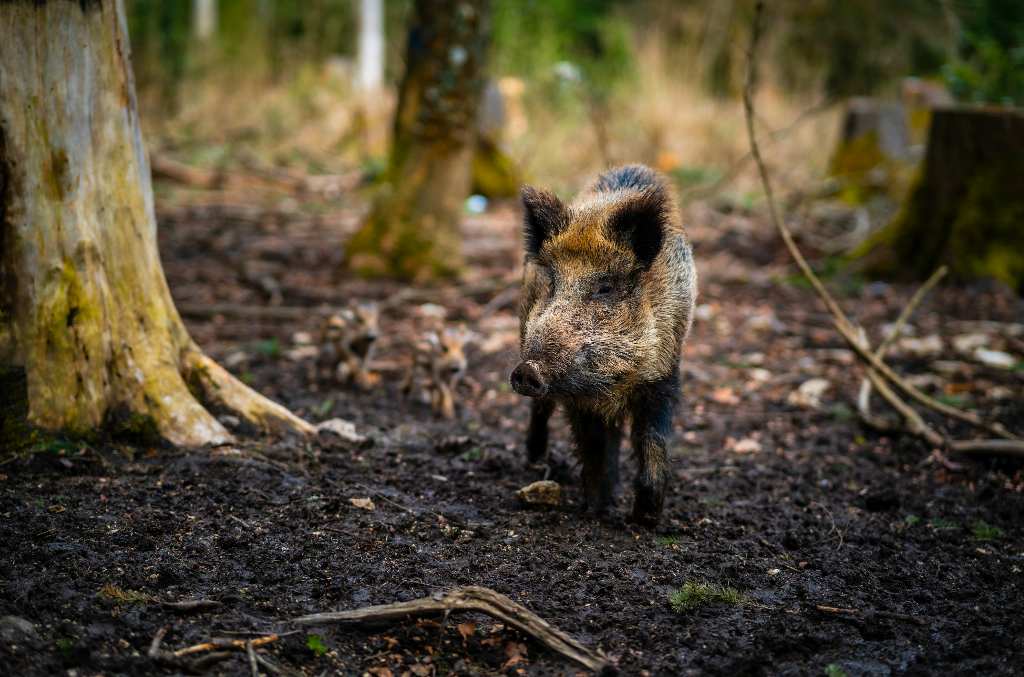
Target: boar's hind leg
597	445
537	435
651	431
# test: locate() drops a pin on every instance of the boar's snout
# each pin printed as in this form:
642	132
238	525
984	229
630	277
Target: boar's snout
527	380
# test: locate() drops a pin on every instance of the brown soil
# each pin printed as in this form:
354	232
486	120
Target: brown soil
797	508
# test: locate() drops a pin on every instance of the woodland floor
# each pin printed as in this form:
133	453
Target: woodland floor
797	507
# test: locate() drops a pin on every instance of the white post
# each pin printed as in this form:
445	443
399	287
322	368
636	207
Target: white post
371	46
204	18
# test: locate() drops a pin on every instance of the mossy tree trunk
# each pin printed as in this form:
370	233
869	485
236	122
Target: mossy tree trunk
84	306
413	227
966	208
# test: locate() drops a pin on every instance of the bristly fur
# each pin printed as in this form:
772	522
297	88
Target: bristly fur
635	177
543	216
607	301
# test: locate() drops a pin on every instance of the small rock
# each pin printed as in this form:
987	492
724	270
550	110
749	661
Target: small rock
14	630
300	353
346	430
948	366
544	493
995	358
235	359
747	446
230	422
809	393
965	343
704	311
999	393
760	375
302	338
929	345
433	310
439	478
364	503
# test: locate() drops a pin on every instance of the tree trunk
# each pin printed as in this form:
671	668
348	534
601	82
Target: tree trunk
413	228
84	306
966	208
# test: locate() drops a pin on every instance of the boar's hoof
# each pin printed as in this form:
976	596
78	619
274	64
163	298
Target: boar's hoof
527	380
645	518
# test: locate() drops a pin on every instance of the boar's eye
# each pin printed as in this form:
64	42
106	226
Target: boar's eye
444	348
603	290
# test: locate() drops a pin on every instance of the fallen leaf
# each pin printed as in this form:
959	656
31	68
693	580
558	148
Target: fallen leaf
346	430
491	641
965	343
466	630
809	393
515	653
380	672
725	395
428	624
364	503
420	670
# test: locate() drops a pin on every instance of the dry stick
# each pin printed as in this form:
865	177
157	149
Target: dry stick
252	658
842	324
470	598
914	424
222	643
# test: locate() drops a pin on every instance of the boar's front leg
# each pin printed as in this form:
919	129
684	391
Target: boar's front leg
651	432
597	445
537	434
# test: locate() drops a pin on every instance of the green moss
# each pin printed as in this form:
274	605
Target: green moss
493	172
133	428
986	531
978	235
693	594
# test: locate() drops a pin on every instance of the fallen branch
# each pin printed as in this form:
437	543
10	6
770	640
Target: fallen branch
252	658
288	179
194	665
224	643
192	606
841	322
471	598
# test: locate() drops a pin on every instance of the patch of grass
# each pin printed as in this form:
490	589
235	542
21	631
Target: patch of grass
473	454
268	348
986	531
835	670
841	412
316	643
111	591
41	501
65	645
692	594
944	524
323	408
246	377
712	502
911	520
956	401
666	540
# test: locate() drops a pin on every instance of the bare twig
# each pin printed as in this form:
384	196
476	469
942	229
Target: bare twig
252	658
224	643
1001	447
471	598
842	323
193	605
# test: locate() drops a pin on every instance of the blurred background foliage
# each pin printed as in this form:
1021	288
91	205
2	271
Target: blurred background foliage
989	64
599	81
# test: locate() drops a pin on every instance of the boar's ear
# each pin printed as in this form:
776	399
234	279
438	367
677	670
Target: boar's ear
543	216
639	221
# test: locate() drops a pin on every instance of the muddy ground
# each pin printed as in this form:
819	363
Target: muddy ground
793	503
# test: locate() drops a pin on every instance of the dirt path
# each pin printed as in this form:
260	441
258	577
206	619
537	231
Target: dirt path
804	512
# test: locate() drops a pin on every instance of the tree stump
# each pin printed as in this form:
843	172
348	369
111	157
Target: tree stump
966	206
85	310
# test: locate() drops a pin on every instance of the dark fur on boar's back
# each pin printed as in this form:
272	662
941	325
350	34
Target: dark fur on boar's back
607	302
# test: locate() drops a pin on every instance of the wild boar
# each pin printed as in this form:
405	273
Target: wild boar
442	360
347	342
607	302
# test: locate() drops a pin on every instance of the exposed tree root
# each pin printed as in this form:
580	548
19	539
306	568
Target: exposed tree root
222	389
873	361
470	598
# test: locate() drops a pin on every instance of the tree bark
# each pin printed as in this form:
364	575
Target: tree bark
967	204
84	306
413	228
